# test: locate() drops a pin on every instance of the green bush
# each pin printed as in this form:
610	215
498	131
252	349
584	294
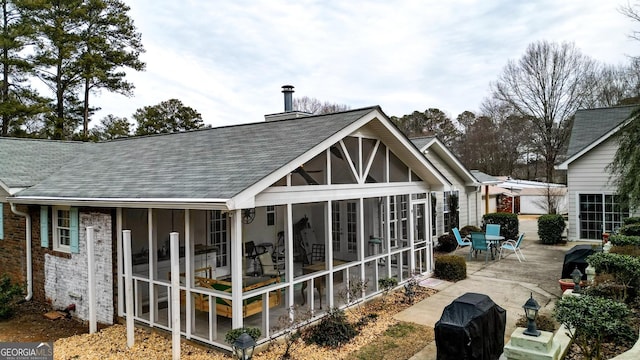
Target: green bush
550	228
333	330
9	295
631	230
590	320
631	220
509	227
234	334
624	240
624	268
469	229
446	243
450	268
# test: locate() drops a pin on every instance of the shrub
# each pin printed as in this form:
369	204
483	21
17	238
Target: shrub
446	243
508	222
9	294
624	268
469	229
234	334
624	240
631	229
333	330
606	319
450	268
631	220
543	322
550	228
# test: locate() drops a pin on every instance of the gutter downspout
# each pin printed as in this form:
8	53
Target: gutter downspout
28	249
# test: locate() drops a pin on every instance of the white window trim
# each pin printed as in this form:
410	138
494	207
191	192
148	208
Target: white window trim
54	222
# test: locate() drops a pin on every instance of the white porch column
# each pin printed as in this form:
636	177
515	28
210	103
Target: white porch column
188	268
119	261
153	246
91	279
128	268
362	242
288	238
175	294
236	269
329	254
412	235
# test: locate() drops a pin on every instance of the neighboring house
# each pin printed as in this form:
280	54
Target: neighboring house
348	186
464	191
530	197
593	205
489	196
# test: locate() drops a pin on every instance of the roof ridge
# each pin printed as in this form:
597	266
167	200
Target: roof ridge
256	123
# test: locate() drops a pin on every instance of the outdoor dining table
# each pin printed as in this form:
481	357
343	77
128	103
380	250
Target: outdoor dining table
494	243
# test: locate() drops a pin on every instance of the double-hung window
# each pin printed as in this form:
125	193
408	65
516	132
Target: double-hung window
61	222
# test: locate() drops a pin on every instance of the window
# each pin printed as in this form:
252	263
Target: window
450	210
218	236
61	229
434	209
271	215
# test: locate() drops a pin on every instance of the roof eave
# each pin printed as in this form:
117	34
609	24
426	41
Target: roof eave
160	203
462	170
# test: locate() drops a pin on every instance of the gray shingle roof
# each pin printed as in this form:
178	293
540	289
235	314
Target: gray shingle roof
591	124
25	162
420	142
213	163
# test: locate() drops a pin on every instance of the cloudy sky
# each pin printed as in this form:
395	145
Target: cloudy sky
229	59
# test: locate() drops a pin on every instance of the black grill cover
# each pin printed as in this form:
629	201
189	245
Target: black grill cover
471	327
577	256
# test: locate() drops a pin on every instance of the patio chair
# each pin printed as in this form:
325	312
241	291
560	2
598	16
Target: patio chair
479	243
461	242
268	267
493	229
514	246
317	252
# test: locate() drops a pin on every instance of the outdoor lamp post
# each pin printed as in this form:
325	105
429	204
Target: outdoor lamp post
531	308
576	275
243	347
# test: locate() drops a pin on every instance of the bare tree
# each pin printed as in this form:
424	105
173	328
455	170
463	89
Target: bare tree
317	107
547	85
553	200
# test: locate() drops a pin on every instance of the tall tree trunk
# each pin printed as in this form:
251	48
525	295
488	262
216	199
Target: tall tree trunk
85	112
58	130
5	71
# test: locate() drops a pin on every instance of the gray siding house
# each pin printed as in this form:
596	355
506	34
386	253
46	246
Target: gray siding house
464	187
592	203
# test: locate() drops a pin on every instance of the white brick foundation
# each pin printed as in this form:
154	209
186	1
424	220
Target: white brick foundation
66	279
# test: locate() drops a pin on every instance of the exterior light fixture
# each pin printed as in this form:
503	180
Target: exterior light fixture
243	347
576	275
531	308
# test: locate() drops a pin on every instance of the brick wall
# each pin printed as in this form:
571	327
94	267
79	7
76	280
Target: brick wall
12	253
65	277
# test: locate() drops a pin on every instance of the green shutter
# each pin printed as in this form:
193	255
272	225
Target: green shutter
44	226
73	225
1	222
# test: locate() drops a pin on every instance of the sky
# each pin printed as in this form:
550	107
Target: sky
229	59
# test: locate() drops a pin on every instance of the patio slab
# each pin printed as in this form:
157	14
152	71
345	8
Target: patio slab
507	282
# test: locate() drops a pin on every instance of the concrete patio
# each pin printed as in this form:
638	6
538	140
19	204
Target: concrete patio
507	282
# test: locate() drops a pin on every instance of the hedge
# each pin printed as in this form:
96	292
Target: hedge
450	268
624	240
630	229
509	226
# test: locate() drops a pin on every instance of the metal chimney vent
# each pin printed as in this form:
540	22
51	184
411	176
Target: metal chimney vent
287	90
